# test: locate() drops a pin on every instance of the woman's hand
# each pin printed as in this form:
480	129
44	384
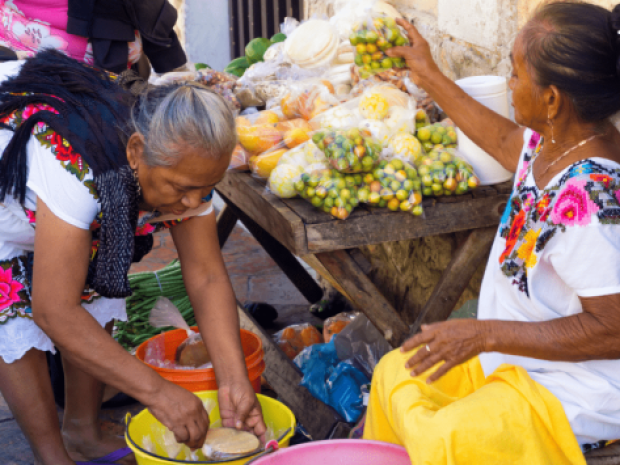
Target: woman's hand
239	408
417	54
453	342
181	412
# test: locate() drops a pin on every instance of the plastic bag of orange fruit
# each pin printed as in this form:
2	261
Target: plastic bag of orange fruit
308	99
267	135
240	159
294	133
336	324
293	339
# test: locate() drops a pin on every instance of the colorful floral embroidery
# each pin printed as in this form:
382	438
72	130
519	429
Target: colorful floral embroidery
64	153
513	235
587	191
9	289
526	251
534	140
542	208
14	290
573	206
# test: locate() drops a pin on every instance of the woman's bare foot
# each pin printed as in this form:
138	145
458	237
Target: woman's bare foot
87	445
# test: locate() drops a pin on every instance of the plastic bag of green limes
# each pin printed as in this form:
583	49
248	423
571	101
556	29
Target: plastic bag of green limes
371	37
333	192
395	185
437	136
443	172
349	150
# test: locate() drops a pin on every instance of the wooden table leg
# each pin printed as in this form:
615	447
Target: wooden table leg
317	266
342	265
283	257
226	221
456	277
284	377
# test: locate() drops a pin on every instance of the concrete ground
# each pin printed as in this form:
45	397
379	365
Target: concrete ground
255	278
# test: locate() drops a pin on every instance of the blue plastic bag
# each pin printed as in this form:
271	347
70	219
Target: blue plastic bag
335	383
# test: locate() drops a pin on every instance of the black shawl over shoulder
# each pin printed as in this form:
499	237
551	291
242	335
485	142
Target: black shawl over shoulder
110	25
91	107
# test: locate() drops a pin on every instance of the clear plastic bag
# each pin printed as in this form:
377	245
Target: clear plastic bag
395	185
443	172
165	313
293	339
371	36
438	136
377	99
240	159
343	116
336	193
362	343
291	165
350	151
257	133
269	138
335	324
191	353
335	382
395	76
307	99
402	146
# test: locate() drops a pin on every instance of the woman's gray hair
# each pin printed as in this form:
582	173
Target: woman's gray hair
176	116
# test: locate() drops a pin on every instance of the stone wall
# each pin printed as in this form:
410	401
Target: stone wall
467	37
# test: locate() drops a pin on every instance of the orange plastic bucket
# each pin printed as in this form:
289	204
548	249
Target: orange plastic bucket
204	380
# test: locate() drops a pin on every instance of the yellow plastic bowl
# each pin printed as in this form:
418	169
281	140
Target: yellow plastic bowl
144	425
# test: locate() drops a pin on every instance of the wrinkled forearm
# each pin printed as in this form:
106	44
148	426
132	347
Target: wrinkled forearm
83	341
575	338
215	308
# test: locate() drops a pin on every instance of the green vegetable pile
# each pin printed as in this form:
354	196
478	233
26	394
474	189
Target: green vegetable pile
254	52
147	288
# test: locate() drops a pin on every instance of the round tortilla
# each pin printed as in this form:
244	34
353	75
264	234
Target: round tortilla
231	441
309	40
323	58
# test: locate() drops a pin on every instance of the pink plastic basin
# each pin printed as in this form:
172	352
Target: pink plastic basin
340	452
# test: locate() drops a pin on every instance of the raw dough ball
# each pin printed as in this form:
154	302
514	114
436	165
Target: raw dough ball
192	352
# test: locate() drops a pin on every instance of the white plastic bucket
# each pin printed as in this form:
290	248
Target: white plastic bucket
492	92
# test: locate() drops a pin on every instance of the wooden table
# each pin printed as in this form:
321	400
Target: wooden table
289	227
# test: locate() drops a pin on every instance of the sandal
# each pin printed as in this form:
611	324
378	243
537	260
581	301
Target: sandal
109	459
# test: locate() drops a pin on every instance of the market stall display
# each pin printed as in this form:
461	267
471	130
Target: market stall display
342	126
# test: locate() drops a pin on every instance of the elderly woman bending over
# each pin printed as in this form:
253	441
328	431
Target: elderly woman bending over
538	374
86	176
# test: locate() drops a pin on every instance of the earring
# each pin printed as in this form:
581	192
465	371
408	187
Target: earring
551	124
135	177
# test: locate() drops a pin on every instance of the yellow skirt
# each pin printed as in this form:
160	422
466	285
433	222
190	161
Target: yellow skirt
465	418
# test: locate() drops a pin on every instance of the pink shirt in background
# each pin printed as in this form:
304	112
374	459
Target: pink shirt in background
32	25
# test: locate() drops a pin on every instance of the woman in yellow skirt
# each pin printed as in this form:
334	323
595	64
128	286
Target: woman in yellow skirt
536	379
